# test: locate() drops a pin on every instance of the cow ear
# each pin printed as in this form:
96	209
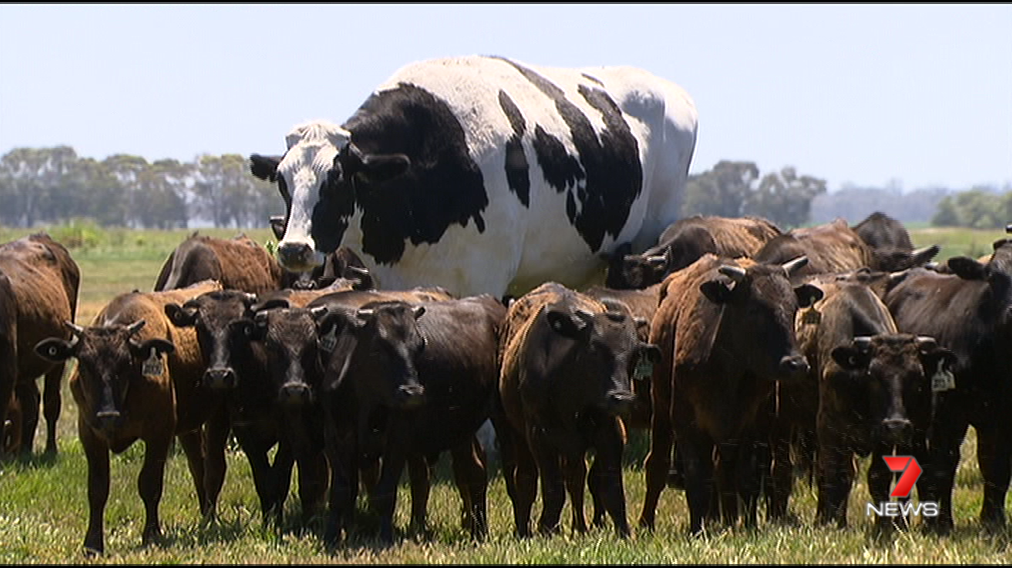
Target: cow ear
143	349
566	324
652	353
181	316
383	167
264	167
849	357
967	268
807	294
717	291
55	349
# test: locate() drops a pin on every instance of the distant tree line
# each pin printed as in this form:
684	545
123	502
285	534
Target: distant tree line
41	186
52	186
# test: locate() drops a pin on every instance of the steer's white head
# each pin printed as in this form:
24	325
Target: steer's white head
319	177
303	174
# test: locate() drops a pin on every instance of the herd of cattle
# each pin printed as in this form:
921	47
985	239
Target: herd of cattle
498	187
734	359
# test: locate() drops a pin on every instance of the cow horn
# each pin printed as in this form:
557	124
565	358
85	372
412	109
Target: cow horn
792	266
318	312
735	273
926	343
365	313
74	328
249	299
659	260
135	326
357	270
584	314
862	342
1008	228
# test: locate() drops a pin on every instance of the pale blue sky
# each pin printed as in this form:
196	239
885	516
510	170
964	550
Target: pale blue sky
865	94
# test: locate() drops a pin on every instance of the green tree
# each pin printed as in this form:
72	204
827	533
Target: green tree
784	197
720	191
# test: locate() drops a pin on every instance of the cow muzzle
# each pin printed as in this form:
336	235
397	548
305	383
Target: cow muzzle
794	367
219	378
619	402
295	394
410	396
108	420
896	431
298	256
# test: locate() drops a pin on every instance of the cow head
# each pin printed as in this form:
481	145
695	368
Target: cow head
223	326
319	177
759	305
377	346
997	273
603	348
883	385
635	271
109	360
294	360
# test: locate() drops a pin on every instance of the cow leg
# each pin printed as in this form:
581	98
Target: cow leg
471	476
344	479
609	445
215	433
752	470
880	477
575	476
281	471
657	464
313	478
595	483
781	477
696	450
553	492
519	472
994	457
727	477
193	447
384	499
936	481
149	484
420	474
51	403
97	454
836	476
28	396
256	451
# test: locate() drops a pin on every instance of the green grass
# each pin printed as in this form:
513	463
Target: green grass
43	501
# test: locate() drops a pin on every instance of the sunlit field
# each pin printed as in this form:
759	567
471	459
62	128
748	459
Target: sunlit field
43	501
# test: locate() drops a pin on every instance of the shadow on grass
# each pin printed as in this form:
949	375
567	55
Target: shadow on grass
24	462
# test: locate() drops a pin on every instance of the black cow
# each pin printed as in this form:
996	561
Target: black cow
409	381
892	249
482	174
967	311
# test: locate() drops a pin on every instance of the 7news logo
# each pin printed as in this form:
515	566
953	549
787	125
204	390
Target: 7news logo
910	471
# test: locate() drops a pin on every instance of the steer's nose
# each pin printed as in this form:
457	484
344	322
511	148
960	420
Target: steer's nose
410	396
295	394
219	378
620	402
897	430
107	419
794	366
295	255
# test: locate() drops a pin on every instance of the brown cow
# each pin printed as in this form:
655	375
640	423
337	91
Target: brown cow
566	364
38	292
890	243
734	324
242	264
126	393
683	242
833	248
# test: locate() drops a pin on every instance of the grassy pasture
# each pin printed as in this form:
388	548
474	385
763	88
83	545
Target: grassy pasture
43	501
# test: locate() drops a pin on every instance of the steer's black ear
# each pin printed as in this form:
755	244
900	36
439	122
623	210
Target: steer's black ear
967	268
566	323
850	357
54	349
382	167
807	294
264	167
181	316
144	348
717	291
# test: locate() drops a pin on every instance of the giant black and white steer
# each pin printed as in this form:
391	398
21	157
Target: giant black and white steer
486	175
